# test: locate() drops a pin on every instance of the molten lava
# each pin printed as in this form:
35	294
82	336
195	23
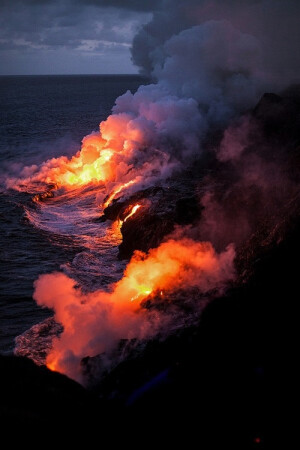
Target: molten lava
51	365
92	164
143	291
79	173
116	192
132	212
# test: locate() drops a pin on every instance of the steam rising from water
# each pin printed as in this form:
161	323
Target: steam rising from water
93	323
211	61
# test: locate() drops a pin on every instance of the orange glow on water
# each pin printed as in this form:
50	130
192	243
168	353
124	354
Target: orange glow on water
106	157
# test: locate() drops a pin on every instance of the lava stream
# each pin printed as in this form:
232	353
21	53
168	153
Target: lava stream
132	212
116	192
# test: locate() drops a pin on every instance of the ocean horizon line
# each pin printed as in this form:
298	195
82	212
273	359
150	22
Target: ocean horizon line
74	75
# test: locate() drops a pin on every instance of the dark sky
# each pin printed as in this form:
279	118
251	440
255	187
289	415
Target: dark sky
69	36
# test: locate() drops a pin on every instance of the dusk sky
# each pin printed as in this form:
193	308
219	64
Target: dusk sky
69	36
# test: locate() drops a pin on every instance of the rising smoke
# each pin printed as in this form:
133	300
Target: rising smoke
271	25
93	323
211	60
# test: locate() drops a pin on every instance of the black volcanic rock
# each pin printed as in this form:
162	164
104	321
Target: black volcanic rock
187	210
161	208
271	233
33	396
279	119
118	208
144	232
276	133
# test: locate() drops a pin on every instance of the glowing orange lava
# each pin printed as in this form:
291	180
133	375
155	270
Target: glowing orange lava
79	173
91	164
106	157
51	364
142	292
116	192
132	212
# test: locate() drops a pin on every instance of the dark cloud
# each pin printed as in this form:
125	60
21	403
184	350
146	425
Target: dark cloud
133	5
98	28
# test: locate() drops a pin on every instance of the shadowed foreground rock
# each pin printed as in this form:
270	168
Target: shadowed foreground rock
33	397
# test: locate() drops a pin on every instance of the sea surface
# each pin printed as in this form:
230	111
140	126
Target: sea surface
43	117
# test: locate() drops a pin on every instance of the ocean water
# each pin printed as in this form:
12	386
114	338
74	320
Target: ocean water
43	117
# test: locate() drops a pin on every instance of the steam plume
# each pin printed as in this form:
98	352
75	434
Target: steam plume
271	25
211	60
93	323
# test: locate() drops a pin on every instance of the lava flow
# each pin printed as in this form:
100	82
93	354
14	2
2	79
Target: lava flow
116	191
89	165
132	212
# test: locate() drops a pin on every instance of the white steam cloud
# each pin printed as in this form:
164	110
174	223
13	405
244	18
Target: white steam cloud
211	60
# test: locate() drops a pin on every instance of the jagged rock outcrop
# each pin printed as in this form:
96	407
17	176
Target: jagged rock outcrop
161	209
